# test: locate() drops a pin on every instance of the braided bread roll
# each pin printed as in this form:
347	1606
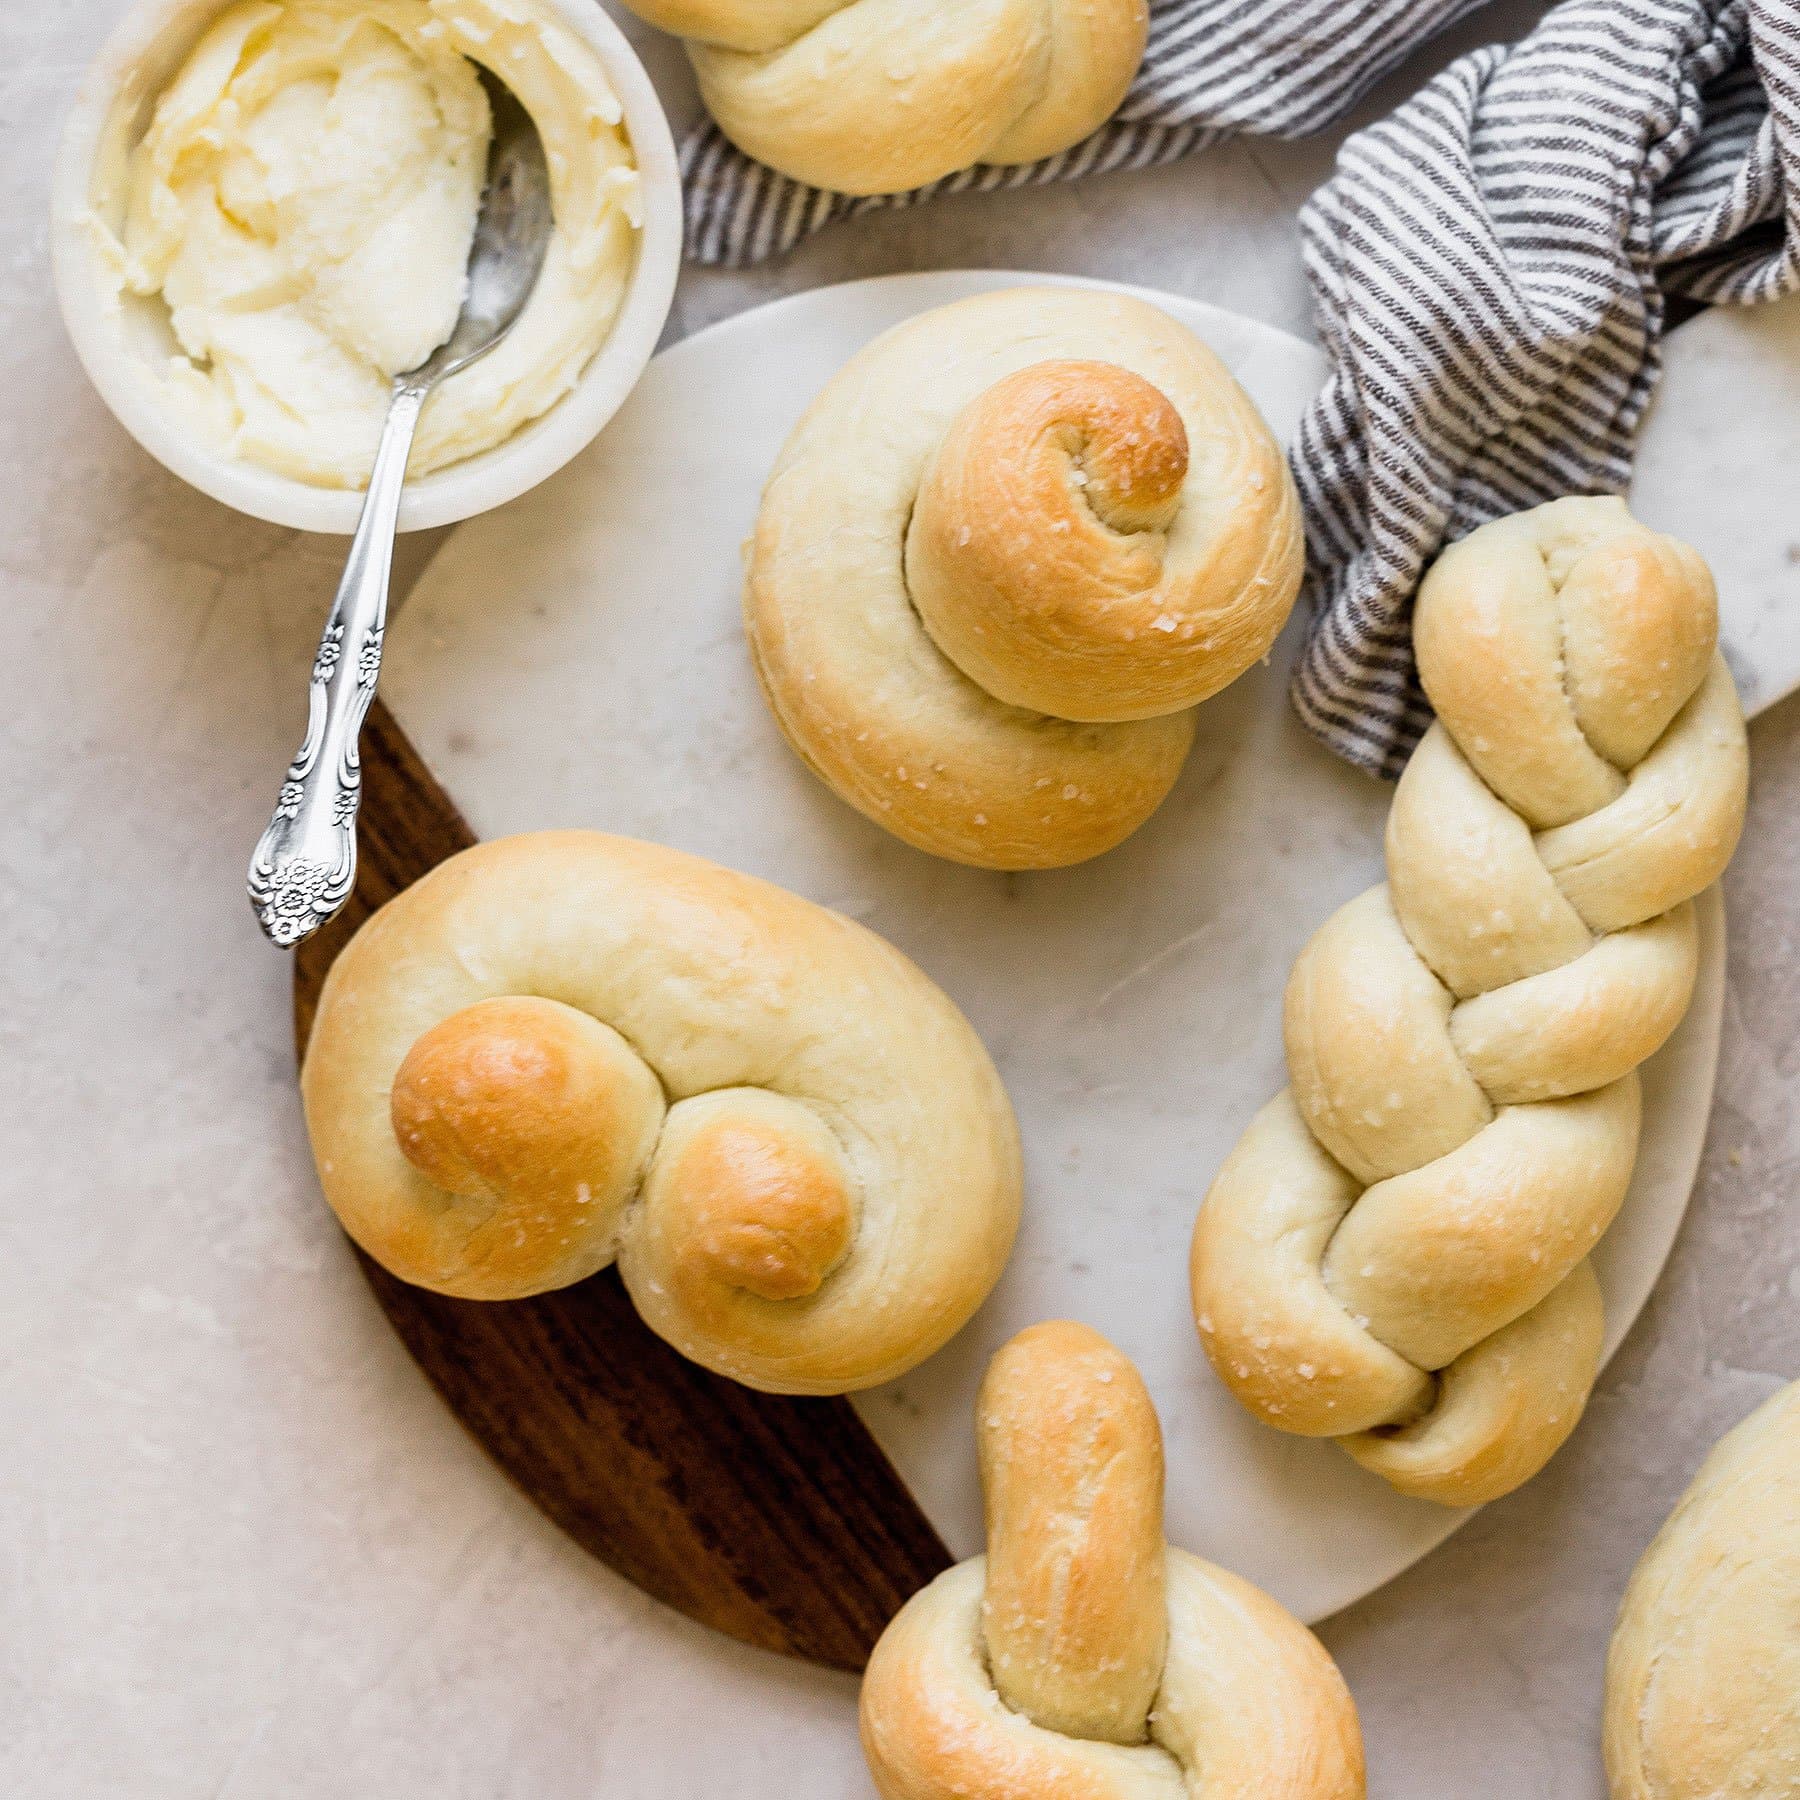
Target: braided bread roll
1703	1679
1395	1254
878	96
1082	1658
1001	559
562	1049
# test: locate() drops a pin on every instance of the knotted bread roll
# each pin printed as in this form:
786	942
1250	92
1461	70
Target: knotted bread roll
565	1048
1000	560
878	96
1703	1681
1083	1658
1395	1253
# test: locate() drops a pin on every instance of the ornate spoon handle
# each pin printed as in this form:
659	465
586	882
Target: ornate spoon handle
305	862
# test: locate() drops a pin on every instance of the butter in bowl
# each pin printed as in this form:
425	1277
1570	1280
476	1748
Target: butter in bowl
263	212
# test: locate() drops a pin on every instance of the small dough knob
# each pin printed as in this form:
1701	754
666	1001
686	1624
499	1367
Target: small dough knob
750	1192
1035	555
543	1112
1075	1615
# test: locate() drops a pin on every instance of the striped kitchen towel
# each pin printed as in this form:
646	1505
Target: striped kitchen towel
1488	263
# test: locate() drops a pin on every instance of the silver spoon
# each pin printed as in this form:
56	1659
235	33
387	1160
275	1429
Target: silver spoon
305	862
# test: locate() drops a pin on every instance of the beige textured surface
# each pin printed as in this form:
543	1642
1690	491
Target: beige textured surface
249	1556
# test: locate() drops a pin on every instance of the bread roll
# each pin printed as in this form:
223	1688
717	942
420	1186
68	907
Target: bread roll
1703	1680
1395	1255
878	96
1082	1658
1002	558
564	1049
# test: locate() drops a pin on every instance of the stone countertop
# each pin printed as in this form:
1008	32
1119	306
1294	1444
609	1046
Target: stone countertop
243	1550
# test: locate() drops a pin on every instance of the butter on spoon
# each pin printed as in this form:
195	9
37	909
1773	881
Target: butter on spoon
304	864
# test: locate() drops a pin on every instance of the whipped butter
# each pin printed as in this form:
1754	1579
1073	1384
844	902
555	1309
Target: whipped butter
303	201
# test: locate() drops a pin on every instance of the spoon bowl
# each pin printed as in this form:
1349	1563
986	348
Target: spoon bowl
512	235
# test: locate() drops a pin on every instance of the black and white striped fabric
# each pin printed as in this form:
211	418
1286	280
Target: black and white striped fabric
1488	263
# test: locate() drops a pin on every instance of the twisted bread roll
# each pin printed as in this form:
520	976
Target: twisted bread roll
1395	1253
564	1048
1003	556
1703	1680
1082	1658
878	96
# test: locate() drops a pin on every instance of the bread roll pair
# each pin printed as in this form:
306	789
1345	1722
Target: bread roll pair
1084	1657
567	1050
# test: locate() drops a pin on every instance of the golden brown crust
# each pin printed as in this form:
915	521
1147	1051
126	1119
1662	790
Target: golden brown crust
878	96
1074	1613
1703	1678
1563	642
982	613
540	1116
766	1203
563	1047
1463	1042
1083	1659
1037	554
1502	1409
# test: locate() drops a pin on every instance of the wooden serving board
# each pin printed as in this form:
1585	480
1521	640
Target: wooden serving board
776	1520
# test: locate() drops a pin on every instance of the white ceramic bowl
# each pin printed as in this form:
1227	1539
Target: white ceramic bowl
115	341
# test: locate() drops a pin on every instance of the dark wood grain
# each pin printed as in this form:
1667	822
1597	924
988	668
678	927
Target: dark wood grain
776	1520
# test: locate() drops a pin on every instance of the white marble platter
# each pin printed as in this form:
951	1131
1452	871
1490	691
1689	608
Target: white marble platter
577	659
1719	465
